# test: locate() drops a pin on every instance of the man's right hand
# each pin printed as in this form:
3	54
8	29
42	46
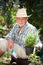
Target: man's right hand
10	43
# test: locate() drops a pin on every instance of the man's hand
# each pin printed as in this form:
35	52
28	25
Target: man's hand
37	47
10	43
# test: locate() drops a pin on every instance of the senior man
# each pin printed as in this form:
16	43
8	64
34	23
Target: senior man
20	30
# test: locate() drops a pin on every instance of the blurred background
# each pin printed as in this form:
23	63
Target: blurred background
8	9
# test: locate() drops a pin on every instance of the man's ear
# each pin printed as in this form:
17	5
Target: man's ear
26	18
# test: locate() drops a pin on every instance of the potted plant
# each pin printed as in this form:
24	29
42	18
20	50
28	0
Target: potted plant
34	60
30	40
6	58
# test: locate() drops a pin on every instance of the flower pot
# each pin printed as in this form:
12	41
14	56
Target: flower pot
29	50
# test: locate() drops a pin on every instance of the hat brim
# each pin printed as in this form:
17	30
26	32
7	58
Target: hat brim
22	16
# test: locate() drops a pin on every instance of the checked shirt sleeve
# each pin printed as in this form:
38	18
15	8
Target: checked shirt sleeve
11	34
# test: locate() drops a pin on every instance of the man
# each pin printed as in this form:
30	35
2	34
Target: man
20	31
21	28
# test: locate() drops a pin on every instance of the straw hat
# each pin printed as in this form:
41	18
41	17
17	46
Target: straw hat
21	13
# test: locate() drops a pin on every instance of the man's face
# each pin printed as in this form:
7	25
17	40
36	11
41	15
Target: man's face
21	21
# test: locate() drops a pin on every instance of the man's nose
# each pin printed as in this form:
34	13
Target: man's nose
20	20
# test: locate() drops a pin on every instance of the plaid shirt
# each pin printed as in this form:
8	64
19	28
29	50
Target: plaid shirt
18	37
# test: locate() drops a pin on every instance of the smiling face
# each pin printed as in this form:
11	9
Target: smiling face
21	21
